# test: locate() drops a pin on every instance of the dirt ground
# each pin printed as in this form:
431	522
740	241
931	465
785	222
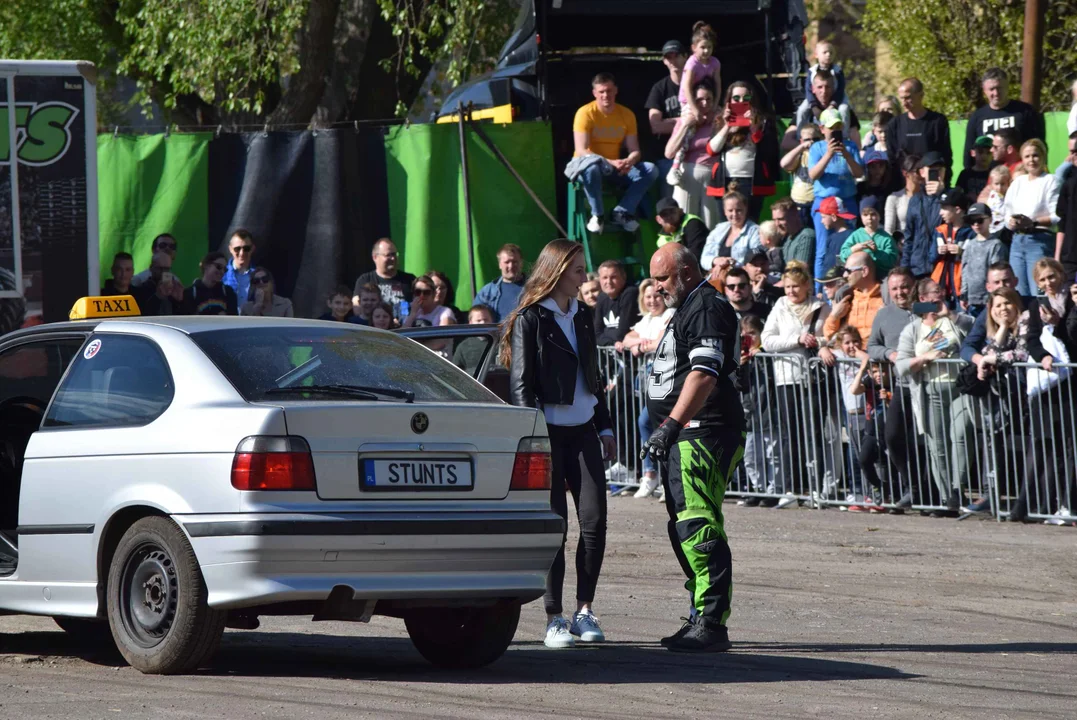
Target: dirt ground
835	615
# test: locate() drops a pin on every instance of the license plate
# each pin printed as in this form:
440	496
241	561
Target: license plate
425	474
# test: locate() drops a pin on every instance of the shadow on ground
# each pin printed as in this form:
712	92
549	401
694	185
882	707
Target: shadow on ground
260	654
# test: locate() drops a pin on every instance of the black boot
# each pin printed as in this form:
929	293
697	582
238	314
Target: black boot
701	637
1018	511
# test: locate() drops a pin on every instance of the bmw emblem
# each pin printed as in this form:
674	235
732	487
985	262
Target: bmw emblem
419	423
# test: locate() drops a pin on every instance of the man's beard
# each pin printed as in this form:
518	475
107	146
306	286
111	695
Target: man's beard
674	296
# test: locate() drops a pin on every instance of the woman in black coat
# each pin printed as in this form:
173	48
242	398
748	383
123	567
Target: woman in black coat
549	346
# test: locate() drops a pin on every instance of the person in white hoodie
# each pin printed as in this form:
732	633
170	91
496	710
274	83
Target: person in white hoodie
795	328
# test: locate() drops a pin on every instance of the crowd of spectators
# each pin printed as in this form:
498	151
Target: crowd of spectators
879	263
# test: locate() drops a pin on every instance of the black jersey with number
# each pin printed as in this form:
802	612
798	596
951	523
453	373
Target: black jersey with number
703	335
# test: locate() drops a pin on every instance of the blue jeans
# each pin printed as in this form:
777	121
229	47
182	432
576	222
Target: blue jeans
1025	250
646	427
664	188
635	184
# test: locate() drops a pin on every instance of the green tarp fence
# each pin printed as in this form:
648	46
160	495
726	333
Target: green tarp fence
426	197
147	183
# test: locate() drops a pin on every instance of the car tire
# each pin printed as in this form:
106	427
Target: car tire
157	605
87	631
463	638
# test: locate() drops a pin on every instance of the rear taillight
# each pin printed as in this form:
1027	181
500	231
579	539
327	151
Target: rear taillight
533	468
273	463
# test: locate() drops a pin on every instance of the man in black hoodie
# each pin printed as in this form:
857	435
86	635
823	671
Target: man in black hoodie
1001	112
917	130
618	306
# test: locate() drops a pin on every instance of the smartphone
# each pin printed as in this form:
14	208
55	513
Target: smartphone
739	110
837	135
745	344
166	278
933	174
923	308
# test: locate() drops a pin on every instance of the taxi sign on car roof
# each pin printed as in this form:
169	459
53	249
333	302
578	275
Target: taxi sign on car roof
88	308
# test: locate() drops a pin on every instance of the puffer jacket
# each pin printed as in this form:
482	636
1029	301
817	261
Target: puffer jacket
781	334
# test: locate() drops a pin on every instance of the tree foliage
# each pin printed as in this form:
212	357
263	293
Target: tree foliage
949	43
250	61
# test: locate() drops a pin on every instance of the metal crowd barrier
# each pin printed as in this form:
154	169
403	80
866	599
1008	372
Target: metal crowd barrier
809	439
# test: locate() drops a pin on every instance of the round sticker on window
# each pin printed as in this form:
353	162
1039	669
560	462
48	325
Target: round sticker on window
91	349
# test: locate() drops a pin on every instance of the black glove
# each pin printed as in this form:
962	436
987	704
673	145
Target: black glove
662	439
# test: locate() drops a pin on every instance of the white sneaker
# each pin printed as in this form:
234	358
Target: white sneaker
617	473
647	487
585	627
673	177
558	635
851	499
595	225
787	500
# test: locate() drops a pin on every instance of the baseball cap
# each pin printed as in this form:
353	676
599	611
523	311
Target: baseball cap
978	210
833	275
830	117
869	201
834	206
953	198
931	159
873	156
756	257
665	203
673	46
984	142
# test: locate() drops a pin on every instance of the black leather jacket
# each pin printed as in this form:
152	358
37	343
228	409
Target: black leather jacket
544	367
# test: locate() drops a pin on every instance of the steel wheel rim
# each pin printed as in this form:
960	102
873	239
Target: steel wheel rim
149	591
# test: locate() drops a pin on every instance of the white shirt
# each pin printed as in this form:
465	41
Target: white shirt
582	409
1032	197
652	327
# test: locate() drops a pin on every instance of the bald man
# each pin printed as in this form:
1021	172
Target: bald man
917	130
859	307
699	438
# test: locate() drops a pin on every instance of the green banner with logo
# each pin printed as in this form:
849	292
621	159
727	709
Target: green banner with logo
153	184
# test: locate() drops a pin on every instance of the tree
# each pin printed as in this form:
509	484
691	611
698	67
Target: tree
949	43
209	62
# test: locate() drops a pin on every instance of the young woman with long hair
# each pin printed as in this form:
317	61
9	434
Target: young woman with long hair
548	344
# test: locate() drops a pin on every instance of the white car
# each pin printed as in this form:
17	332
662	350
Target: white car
174	476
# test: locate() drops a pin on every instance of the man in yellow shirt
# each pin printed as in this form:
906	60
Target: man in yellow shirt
601	128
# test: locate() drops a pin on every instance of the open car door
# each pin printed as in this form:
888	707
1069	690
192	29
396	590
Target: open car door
474	350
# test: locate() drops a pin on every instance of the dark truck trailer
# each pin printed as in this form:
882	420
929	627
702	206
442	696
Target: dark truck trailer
545	68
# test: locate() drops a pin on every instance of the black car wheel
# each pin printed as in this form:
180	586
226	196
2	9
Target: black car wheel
462	638
157	601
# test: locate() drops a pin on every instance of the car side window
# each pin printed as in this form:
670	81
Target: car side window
116	380
33	369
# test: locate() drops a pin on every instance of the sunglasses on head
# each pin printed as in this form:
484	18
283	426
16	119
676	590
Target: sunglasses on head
242	248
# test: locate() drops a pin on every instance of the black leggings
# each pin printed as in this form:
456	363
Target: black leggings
576	453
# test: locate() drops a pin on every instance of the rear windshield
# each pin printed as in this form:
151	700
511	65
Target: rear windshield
259	361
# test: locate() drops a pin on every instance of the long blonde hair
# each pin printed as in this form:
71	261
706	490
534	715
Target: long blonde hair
545	274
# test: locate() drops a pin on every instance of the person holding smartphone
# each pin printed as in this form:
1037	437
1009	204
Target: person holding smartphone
834	167
162	293
924	215
1030	208
745	149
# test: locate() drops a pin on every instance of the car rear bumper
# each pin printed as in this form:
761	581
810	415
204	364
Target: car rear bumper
259	559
